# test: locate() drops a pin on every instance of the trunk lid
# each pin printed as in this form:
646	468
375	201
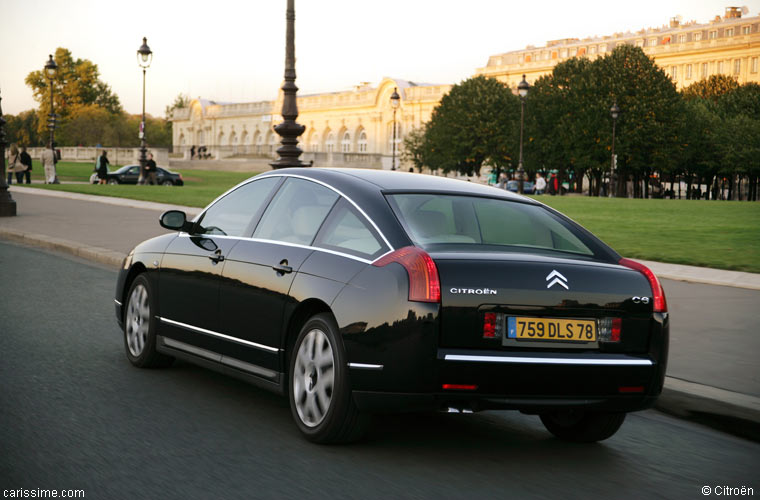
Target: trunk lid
526	285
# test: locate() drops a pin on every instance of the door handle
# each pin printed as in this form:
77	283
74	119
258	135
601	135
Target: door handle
217	257
283	267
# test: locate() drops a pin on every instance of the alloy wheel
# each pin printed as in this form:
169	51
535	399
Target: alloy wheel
137	320
314	378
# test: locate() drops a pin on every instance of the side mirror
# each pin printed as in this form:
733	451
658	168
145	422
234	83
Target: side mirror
176	220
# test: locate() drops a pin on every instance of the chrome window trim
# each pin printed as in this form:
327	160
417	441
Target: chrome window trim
549	361
288	244
217	334
328	186
365	366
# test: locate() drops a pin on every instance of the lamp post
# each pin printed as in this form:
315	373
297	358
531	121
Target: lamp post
522	90
395	101
7	203
144	58
50	69
289	130
615	112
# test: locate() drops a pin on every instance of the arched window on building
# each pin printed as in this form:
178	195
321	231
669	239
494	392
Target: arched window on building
233	139
330	143
271	144
362	142
390	137
345	144
182	139
314	144
201	138
259	140
220	140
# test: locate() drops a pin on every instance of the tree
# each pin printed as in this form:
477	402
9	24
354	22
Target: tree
710	88
475	123
22	129
76	84
181	101
414	151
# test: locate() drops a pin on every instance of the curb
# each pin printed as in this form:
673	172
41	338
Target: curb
726	411
104	256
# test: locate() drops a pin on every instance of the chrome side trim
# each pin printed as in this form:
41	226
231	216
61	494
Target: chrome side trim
549	361
176	344
217	334
365	366
117	302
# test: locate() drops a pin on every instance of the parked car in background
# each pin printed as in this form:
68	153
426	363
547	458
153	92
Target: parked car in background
528	187
129	174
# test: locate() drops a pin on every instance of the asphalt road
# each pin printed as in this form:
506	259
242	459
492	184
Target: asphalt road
75	414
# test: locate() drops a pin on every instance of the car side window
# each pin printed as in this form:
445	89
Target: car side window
348	231
132	170
231	215
296	212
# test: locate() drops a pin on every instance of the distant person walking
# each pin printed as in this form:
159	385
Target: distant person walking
48	163
13	160
103	168
151	170
192	152
540	184
25	160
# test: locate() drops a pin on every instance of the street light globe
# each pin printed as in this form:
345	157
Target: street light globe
395	99
144	54
50	67
523	87
615	111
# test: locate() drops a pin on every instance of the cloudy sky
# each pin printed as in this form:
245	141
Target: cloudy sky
230	50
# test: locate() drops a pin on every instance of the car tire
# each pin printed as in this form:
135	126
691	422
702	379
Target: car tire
113	181
167	182
582	427
140	325
318	387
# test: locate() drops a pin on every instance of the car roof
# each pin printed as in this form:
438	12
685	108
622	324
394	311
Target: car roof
397	182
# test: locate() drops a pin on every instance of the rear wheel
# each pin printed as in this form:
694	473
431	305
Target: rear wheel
582	427
113	181
167	182
140	327
319	391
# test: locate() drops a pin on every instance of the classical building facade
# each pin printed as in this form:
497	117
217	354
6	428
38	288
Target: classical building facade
353	127
688	52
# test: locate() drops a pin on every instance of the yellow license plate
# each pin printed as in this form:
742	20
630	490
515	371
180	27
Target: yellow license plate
553	329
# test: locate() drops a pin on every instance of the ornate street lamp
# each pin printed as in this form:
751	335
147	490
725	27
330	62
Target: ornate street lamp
395	102
615	112
7	203
50	69
289	130
144	58
522	89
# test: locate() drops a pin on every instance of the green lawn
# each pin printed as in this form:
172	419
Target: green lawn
201	186
719	234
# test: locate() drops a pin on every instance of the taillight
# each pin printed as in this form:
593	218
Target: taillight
610	329
424	285
493	325
658	294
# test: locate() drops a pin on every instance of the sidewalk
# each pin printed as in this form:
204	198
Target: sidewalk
103	229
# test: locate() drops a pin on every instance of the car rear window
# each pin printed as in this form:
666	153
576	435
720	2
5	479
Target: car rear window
434	219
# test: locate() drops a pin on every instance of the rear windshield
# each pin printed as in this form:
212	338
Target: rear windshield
435	219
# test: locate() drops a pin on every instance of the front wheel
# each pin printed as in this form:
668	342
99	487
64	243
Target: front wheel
113	181
318	388
582	427
140	327
167	182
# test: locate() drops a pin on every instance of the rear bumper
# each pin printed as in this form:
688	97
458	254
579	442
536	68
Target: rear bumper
531	382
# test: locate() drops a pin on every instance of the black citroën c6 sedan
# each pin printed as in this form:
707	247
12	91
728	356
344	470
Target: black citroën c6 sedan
356	292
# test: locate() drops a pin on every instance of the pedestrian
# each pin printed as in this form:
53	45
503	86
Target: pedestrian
103	168
25	160
540	184
13	160
150	171
47	158
555	184
192	152
502	181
